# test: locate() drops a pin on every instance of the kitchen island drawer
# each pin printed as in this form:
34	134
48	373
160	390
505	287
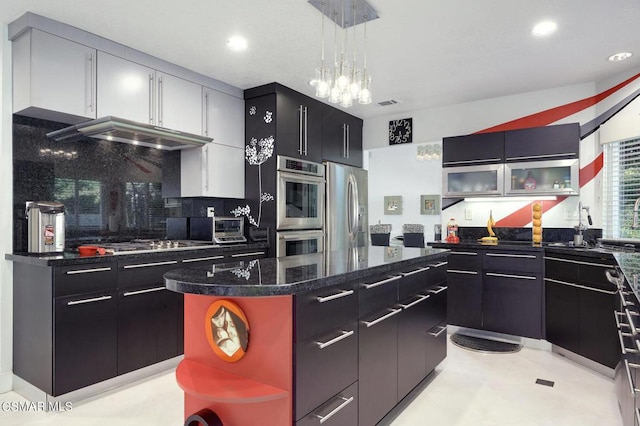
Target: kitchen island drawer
436	345
87	278
325	364
325	309
341	410
468	260
378	291
418	277
513	261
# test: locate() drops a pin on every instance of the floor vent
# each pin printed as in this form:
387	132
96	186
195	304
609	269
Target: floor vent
387	103
484	345
545	382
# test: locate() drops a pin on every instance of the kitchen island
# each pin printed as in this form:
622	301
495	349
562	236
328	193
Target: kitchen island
339	338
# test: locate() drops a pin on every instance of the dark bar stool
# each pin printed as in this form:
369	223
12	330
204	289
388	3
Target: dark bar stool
413	235
380	234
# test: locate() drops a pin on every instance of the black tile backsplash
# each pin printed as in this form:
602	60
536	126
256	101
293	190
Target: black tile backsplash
111	190
524	234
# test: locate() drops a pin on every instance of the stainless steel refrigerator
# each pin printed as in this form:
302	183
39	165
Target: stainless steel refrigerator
347	223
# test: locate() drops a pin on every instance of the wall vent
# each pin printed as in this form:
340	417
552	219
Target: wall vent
387	103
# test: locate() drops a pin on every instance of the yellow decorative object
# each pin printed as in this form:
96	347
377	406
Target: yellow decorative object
492	235
536	230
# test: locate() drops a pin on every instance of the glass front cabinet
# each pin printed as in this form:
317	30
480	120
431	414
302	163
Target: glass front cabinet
473	180
555	177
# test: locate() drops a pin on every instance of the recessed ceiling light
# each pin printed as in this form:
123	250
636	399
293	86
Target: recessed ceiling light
237	43
620	56
544	28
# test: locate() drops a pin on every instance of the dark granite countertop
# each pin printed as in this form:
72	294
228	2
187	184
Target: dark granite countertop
296	274
629	264
72	258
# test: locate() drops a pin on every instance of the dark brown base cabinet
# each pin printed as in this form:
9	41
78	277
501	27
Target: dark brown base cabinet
362	346
579	307
75	326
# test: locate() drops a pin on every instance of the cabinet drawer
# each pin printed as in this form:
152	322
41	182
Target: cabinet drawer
144	273
468	260
419	277
587	271
377	292
436	305
341	410
436	346
528	262
77	279
325	364
325	309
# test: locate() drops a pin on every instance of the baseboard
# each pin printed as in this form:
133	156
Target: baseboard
6	381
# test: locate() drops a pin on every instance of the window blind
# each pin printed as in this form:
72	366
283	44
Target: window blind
621	182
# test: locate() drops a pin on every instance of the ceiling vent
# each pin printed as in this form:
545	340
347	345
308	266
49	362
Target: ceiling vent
387	103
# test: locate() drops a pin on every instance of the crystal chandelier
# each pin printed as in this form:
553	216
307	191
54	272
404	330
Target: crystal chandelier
344	83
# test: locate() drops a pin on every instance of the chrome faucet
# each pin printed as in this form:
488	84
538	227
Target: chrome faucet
634	225
577	239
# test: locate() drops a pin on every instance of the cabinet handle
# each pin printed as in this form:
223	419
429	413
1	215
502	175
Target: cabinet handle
255	253
92	82
343	335
344	140
537	157
346	401
580	286
160	101
442	330
417	271
91	300
201	259
525	256
457	271
343	293
519	277
619	324
348	140
557	259
439	290
382	318
437	265
151	90
206	113
306	133
204	159
623	348
300	125
624	302
451	163
147	265
147	290
631	323
421	298
379	283
627	367
464	253
637	411
87	271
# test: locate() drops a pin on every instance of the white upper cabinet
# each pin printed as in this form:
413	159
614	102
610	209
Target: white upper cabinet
179	104
53	78
134	92
215	170
125	89
223	118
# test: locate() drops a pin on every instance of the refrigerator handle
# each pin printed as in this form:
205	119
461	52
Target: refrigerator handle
353	207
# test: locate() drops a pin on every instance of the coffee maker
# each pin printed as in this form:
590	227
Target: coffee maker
45	226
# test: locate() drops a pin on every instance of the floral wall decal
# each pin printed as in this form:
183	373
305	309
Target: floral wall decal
256	153
268	117
252	110
246	272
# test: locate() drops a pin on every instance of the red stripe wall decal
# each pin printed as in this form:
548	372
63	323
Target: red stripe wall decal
544	118
522	216
591	170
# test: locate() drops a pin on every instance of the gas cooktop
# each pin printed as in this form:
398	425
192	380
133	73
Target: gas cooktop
150	246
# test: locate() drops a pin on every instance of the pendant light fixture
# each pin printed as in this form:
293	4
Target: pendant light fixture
347	82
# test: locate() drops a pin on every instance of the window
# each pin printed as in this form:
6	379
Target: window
621	188
82	201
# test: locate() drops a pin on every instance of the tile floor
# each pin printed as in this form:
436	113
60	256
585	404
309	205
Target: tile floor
469	388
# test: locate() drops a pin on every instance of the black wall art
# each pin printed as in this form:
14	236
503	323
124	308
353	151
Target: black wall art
401	131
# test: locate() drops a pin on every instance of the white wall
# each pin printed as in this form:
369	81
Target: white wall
6	219
393	170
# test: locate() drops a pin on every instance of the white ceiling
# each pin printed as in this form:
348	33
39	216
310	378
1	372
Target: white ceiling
420	53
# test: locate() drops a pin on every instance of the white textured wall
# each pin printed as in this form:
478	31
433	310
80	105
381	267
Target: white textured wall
6	228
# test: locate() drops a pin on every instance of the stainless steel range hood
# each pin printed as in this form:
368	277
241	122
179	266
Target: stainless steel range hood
120	130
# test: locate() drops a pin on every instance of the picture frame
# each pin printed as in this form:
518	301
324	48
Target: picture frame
430	204
393	204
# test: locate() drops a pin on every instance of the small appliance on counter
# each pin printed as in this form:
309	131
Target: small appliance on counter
45	226
228	230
